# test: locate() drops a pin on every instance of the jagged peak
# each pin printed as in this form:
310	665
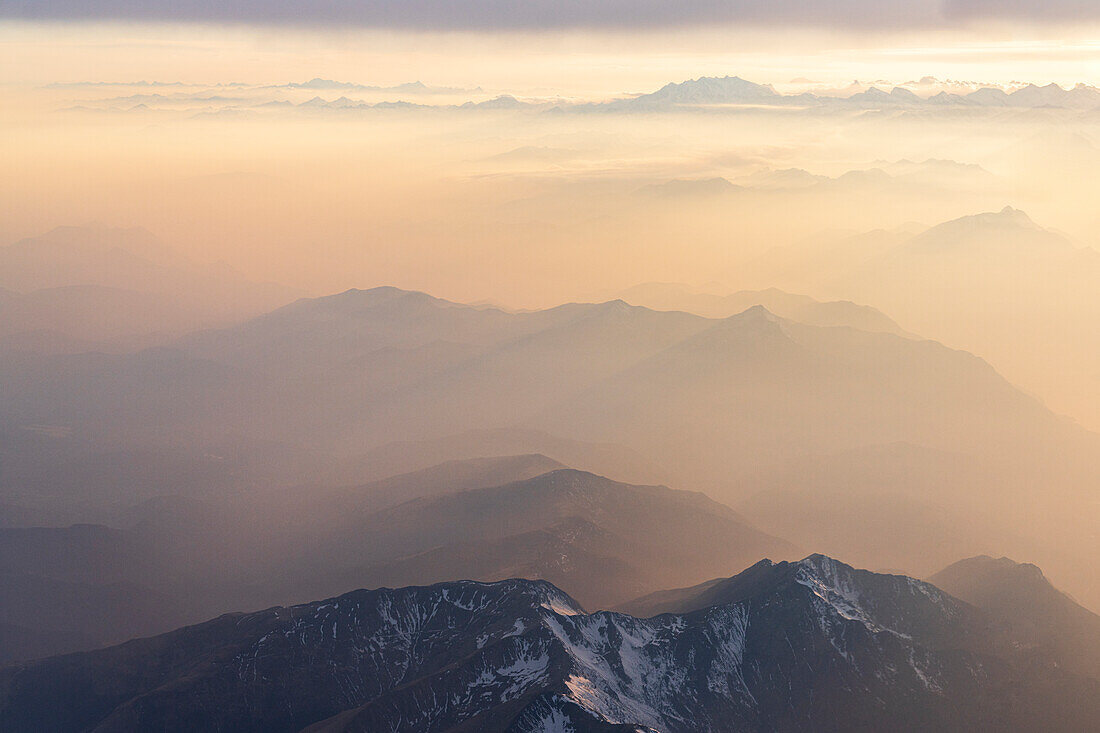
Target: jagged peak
466	594
1016	215
818	561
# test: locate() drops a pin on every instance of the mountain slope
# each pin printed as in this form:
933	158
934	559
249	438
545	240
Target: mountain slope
367	367
82	587
601	540
992	283
741	394
720	405
1019	595
606	459
801	308
445	478
813	644
179	559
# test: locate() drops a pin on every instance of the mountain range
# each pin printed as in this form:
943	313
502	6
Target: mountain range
360	367
778	647
733	90
711	94
730	406
392	440
172	560
994	281
794	307
887	182
605	541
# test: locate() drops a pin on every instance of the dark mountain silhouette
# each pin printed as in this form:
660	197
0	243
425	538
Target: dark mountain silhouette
606	459
445	478
178	559
601	539
795	645
1019	595
81	587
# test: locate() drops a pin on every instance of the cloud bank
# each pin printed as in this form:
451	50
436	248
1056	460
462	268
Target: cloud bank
497	15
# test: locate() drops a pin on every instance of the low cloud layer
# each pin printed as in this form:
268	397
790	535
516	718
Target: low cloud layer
492	15
1030	10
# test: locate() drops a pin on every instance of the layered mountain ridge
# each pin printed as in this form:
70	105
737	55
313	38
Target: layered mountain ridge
726	405
179	560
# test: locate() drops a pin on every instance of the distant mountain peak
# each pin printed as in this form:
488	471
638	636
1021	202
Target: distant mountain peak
376	295
1004	567
707	90
1020	596
1016	216
1008	217
756	314
759	311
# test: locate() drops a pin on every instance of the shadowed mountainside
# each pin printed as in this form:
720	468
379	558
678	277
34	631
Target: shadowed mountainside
812	643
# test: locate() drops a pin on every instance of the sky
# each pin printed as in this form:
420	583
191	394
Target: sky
494	15
568	47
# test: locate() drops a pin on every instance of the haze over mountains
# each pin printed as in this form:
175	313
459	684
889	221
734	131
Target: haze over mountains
801	308
996	284
348	359
1010	289
77	289
735	90
176	559
564	391
790	421
714	92
603	539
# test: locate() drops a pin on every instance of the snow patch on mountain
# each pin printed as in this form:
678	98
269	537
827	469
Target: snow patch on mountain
821	576
793	642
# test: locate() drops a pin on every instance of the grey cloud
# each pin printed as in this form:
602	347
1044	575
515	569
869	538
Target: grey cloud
1031	10
487	14
554	14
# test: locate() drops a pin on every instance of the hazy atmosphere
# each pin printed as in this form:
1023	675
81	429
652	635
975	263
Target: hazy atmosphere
577	354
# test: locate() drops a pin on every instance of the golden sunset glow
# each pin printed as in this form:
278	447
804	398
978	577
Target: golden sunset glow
679	307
